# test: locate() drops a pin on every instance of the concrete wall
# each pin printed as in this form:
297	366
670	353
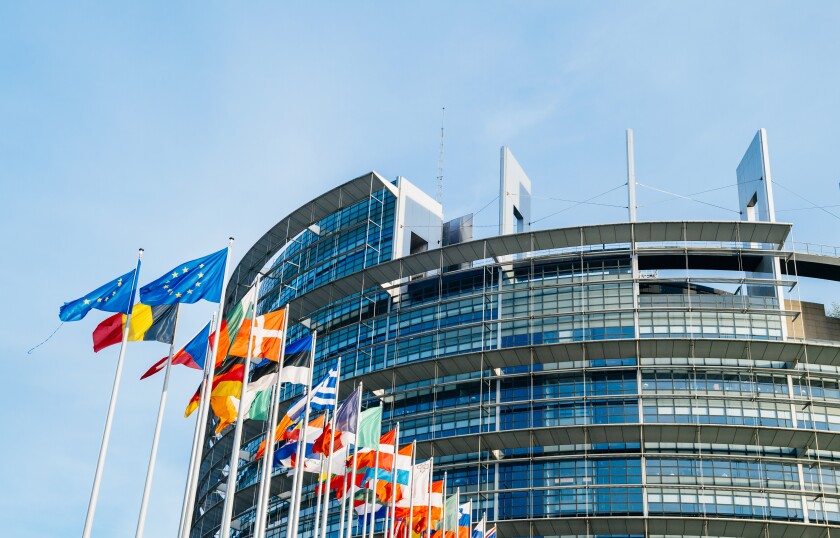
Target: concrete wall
812	324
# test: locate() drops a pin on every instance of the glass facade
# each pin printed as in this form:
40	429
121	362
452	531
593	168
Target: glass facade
539	429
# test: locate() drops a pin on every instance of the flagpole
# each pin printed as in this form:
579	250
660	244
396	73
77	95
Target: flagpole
319	492
326	500
429	499
411	490
205	401
366	516
393	509
375	482
196	433
259	517
109	417
297	482
144	503
353	471
233	466
344	484
457	510
264	492
443	509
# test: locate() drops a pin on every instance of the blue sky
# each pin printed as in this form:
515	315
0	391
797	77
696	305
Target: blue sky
171	126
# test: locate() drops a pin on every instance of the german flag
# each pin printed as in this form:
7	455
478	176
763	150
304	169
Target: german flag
148	323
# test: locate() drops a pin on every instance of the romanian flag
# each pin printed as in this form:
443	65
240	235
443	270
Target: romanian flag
148	323
191	355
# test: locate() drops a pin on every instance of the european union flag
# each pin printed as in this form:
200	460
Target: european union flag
188	282
115	296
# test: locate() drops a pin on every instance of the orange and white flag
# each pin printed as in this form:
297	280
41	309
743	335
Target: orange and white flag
267	335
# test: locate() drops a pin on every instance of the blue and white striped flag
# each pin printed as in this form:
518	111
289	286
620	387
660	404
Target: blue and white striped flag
323	397
478	532
491	533
323	394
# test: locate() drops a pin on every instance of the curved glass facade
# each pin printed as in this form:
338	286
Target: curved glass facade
567	392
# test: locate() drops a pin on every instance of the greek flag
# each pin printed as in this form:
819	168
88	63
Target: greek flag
323	394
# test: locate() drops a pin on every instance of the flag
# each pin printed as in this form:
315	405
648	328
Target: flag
258	393
222	382
421	476
191	355
450	513
345	424
297	361
322	397
368	458
115	296
148	323
232	324
370	424
286	455
491	533
267	336
322	443
346	416
189	282
400	528
478	531
464	517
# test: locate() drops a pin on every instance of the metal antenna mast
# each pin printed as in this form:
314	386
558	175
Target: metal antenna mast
440	159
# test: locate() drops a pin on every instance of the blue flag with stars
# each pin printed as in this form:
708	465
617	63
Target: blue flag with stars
188	282
115	296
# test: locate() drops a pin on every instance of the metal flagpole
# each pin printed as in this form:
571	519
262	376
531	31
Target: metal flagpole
264	493
355	460
429	499
205	402
365	516
375	481
393	508
325	487
344	484
411	490
297	482
457	511
319	492
299	456
106	435
196	434
443	510
233	466
341	510
144	503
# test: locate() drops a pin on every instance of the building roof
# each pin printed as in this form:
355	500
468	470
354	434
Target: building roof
297	221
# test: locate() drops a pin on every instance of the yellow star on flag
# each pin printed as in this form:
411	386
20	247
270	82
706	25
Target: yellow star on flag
175	275
87	301
189	291
177	295
185	269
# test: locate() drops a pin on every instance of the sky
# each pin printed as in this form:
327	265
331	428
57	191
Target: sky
173	125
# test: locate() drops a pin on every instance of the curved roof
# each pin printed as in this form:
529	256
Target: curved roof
541	240
297	221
